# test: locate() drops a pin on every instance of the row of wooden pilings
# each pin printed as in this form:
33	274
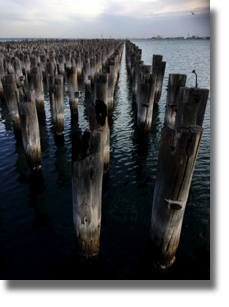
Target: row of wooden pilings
179	145
97	61
180	136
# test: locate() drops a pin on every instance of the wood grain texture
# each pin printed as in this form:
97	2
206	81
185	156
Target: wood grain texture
29	127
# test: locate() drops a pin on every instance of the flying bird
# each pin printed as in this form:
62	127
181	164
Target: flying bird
193	13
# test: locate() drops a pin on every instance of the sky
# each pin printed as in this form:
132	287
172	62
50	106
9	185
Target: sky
103	18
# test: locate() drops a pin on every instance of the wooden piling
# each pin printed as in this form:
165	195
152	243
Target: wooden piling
178	152
98	118
9	87
158	68
74	94
57	104
37	82
86	73
2	73
87	177
174	83
29	127
18	72
27	65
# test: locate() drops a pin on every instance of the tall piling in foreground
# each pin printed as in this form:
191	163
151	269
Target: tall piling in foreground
178	152
37	82
29	127
56	92
87	177
97	119
9	87
74	94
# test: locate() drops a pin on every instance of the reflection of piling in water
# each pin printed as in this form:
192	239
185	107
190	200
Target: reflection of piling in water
178	152
43	133
29	127
9	87
87	177
38	199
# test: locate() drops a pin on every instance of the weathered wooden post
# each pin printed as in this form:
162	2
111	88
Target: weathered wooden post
111	86
61	64
9	66
146	91
50	69
98	118
78	65
9	87
18	72
21	58
29	127
175	82
158	68
101	87
27	65
57	104
87	177
36	77
86	73
43	61
74	94
178	151
136	74
2	73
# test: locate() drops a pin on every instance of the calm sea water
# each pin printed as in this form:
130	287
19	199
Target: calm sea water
37	239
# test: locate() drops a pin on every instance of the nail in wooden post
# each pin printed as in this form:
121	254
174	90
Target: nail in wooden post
178	152
9	87
74	94
29	127
87	177
37	82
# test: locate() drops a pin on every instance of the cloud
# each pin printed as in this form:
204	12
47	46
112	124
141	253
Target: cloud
86	18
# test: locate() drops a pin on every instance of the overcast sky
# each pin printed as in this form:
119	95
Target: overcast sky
93	18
